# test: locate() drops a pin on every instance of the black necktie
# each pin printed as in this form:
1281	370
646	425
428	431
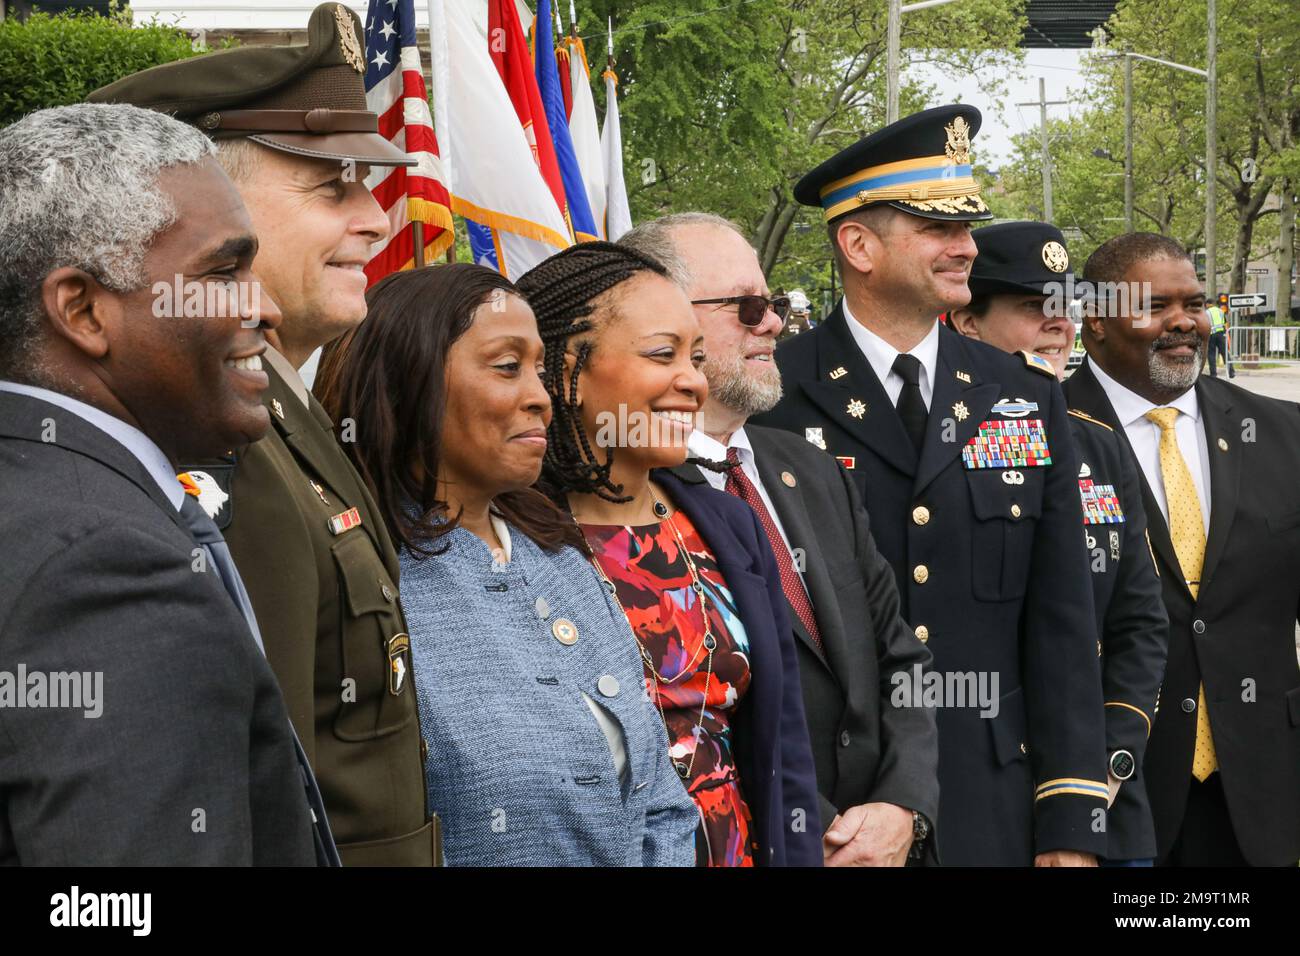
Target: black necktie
205	533
911	406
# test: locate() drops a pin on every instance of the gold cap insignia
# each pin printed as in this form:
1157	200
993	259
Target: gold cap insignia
1055	257
958	145
348	39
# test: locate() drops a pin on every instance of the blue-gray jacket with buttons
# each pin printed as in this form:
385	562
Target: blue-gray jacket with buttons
519	770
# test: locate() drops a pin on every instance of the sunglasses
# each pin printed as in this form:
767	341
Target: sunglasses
752	309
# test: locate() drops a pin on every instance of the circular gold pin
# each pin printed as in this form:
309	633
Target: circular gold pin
1015	511
565	631
787	479
1223	444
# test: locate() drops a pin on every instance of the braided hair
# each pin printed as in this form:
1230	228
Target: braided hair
563	293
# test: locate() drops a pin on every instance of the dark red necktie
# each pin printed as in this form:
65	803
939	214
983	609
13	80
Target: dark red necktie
738	484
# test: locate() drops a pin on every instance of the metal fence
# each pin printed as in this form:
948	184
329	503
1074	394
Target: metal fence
1272	344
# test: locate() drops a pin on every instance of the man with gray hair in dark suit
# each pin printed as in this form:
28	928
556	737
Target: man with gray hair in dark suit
877	763
139	722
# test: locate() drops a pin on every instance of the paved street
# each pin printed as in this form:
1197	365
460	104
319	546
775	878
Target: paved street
1274	382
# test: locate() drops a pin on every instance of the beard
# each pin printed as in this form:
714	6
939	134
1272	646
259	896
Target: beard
744	392
1175	375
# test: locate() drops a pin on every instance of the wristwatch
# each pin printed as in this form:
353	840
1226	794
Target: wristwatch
920	828
1122	765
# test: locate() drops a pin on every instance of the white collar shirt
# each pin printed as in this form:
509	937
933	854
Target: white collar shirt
880	356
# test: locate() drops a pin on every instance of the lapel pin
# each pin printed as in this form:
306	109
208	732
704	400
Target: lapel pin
856	408
838	373
960	411
565	631
848	461
320	491
1223	445
1084	470
787	479
963	377
277	408
814	435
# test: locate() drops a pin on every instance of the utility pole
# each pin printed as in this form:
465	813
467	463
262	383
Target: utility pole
1043	103
1128	144
893	53
1211	154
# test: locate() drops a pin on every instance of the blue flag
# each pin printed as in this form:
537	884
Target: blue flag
548	82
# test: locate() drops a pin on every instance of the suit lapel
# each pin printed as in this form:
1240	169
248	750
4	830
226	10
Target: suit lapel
954	404
1221	437
846	384
1084	392
793	514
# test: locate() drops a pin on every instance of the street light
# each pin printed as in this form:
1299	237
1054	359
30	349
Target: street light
894	29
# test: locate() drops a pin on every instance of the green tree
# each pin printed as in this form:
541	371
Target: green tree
723	110
55	60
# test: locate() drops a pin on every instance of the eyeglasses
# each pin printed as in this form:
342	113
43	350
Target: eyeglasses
752	309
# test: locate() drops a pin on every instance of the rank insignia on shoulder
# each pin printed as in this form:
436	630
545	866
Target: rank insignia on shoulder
1084	416
345	521
848	461
838	373
814	436
1002	444
213	482
399	662
1013	408
1100	503
1038	363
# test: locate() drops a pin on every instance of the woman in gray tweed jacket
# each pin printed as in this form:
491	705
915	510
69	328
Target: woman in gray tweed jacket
543	746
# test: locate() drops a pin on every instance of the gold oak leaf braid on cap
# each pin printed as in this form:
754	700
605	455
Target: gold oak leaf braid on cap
561	291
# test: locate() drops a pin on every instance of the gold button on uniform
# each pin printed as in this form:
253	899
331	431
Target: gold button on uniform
1015	511
1023	748
920	574
920	514
922	633
565	631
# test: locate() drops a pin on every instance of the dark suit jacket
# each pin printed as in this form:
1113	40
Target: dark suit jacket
865	749
773	759
98	577
988	564
327	605
1131	621
1238	636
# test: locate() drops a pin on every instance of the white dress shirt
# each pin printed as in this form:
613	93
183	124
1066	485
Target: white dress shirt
880	356
705	446
129	437
1144	435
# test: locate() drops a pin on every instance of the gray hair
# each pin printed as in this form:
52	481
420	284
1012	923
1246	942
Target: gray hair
655	238
79	187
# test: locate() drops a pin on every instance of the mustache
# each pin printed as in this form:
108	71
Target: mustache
1175	339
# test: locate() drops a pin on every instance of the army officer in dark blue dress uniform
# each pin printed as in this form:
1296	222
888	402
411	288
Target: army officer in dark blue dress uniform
1018	302
964	459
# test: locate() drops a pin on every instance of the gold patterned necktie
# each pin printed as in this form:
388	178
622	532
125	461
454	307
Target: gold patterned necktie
1187	531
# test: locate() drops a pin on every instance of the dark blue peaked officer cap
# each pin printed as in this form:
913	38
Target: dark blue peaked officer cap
920	164
1018	257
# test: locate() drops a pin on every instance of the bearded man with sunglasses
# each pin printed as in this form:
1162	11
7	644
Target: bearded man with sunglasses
876	763
964	458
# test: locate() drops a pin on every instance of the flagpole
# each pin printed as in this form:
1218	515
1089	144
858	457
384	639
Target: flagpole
418	235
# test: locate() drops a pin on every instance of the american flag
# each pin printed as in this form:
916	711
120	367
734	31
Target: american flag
395	90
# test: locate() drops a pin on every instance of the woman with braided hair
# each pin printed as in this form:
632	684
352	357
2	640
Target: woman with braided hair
534	755
690	566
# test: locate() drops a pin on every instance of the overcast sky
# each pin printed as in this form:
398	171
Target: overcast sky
992	146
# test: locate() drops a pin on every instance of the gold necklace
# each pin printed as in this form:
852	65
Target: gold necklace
708	643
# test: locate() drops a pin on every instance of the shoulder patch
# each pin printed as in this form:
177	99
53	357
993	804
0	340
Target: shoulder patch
1038	363
216	480
1088	418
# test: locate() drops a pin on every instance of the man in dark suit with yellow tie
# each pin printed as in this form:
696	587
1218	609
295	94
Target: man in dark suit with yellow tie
1219	468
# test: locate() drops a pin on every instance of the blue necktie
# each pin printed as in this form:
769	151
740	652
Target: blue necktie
205	533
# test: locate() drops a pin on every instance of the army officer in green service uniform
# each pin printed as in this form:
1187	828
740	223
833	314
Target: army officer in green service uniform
294	133
1017	290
